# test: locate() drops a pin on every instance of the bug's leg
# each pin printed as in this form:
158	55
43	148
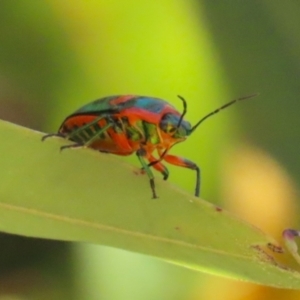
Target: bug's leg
141	154
74	133
90	139
185	163
157	165
62	136
289	236
83	130
52	135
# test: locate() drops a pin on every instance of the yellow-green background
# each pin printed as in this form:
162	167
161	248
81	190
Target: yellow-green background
57	55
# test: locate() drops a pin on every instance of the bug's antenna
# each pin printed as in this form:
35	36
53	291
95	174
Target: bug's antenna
183	113
221	108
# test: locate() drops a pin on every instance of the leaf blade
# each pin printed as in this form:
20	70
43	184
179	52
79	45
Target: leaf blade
83	195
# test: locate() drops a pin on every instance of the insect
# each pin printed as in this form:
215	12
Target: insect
128	124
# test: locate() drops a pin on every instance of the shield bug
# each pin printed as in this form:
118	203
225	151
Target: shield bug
128	124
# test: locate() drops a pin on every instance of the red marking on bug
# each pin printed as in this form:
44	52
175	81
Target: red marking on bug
121	99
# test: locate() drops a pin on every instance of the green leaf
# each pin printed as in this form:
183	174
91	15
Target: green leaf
84	195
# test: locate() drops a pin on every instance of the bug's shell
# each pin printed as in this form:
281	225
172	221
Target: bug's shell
126	124
137	118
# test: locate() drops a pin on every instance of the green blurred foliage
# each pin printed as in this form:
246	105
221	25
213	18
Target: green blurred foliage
259	46
57	55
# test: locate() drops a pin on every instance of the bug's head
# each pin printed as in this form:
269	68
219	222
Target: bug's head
175	126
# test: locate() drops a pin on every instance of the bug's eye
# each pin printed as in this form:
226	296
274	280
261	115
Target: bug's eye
172	129
169	124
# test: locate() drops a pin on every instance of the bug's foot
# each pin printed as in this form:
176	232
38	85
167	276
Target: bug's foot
289	236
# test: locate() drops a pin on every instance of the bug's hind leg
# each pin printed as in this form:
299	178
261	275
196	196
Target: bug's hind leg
83	136
62	136
90	138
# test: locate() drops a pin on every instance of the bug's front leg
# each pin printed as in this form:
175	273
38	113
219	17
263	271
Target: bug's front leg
157	165
141	154
185	163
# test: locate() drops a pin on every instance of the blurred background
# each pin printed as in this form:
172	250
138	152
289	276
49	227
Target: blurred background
56	56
